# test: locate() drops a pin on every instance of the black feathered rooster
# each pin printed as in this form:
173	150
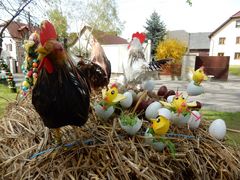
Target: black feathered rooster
61	94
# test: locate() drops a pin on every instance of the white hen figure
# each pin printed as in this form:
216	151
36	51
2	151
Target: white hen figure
137	69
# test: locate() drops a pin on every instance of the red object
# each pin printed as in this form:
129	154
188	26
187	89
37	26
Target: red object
140	36
47	32
47	65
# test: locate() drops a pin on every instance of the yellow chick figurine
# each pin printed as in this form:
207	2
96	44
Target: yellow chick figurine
179	104
199	76
111	96
160	125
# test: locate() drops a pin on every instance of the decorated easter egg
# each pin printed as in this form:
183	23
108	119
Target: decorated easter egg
127	102
102	113
194	90
148	85
131	129
152	110
35	75
25	84
194	120
218	129
165	113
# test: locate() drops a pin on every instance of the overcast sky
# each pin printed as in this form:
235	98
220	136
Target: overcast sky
203	16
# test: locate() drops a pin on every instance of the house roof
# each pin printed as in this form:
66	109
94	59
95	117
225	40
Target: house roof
104	38
235	16
18	29
198	40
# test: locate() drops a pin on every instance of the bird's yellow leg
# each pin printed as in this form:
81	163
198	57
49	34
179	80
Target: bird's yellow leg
58	136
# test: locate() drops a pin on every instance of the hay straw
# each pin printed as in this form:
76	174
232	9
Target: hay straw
102	150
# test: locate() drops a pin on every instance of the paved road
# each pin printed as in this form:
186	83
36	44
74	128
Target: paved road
219	95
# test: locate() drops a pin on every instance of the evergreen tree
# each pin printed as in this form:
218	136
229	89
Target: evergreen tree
155	30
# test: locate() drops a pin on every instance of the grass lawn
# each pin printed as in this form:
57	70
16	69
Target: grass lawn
235	70
5	95
232	121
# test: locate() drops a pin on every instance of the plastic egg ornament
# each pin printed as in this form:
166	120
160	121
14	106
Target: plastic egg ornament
149	139
25	84
127	102
194	90
194	120
132	130
170	98
218	129
148	85
134	95
165	113
103	114
152	110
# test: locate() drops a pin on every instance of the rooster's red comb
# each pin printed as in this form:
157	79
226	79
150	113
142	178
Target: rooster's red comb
47	32
140	36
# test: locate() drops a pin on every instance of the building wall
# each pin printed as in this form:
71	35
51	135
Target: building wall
118	55
230	32
9	53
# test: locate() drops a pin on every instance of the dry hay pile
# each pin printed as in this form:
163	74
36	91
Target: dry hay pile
104	151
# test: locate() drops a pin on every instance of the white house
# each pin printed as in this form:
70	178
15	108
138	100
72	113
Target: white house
225	40
115	47
13	51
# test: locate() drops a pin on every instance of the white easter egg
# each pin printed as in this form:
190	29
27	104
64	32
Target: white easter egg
194	120
218	129
194	90
165	113
134	95
148	85
127	102
170	98
149	139
179	119
132	130
152	110
103	114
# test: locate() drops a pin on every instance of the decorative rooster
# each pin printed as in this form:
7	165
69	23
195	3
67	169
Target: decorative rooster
99	65
61	94
137	68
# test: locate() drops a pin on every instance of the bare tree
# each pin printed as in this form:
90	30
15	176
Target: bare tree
13	13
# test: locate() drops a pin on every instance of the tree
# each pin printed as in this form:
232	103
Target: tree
59	21
103	15
13	13
172	48
155	30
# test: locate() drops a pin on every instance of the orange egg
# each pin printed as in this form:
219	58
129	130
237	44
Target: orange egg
35	65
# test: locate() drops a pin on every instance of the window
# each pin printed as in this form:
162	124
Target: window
237	55
220	54
238	24
237	40
222	40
